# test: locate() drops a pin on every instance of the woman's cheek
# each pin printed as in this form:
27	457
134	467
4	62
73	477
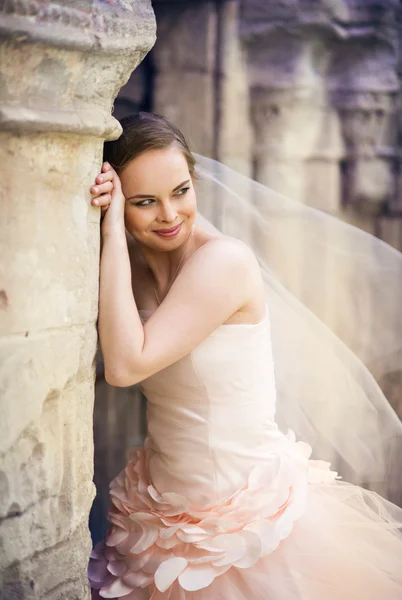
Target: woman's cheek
190	203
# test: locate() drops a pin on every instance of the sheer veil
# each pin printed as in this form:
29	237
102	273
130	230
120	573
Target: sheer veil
334	296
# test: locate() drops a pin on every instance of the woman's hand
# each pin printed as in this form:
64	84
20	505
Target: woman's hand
107	194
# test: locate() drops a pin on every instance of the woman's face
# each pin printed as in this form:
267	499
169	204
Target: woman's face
159	195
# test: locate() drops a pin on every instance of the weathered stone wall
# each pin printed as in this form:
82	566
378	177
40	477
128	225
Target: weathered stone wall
60	70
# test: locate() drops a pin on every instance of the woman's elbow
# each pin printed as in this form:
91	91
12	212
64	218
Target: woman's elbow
120	378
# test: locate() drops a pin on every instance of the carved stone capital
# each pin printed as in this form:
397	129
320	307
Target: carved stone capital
108	25
341	18
61	66
363	116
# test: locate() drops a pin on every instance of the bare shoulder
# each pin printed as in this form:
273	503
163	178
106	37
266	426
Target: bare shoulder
229	265
228	260
228	252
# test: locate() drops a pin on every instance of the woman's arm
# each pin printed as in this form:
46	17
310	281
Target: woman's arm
119	323
218	280
215	283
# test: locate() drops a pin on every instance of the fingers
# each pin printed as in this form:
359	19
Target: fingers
107	168
104	188
110	171
104	176
105	183
103	200
102	193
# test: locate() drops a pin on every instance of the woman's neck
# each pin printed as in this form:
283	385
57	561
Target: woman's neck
165	265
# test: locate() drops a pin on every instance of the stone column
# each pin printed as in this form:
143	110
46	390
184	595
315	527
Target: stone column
60	70
297	142
363	85
185	64
200	77
233	128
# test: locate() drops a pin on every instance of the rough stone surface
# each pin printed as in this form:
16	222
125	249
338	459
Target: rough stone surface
60	70
185	57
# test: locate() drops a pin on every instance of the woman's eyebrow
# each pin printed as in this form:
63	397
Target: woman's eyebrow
151	196
181	185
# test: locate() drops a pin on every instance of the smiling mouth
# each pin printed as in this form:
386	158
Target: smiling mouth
171	230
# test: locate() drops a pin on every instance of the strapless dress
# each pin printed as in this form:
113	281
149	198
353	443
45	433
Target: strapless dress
222	505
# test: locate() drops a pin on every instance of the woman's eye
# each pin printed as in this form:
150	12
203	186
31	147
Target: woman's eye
182	191
144	202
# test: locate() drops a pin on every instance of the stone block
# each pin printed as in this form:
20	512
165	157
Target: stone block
189	103
233	131
50	239
187	37
47	449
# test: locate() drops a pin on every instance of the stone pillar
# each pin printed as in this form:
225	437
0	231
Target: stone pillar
363	85
297	142
185	68
233	128
200	79
60	70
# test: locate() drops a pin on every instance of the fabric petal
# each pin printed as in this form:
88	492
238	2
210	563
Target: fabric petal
253	546
98	573
149	535
267	533
116	536
116	590
135	562
196	577
117	567
136	579
168	572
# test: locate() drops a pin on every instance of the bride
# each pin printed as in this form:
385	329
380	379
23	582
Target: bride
220	504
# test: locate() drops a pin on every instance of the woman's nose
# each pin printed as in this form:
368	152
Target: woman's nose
168	213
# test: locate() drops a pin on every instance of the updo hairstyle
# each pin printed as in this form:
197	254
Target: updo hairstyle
144	131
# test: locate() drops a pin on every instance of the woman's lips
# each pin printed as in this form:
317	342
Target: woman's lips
168	233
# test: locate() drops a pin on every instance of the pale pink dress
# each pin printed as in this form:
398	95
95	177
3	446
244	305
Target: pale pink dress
220	505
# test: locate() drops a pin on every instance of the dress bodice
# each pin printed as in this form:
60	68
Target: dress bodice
211	414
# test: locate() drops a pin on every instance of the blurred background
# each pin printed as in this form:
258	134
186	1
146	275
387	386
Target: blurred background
301	95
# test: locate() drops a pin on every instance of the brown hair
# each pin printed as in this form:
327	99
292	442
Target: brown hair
144	131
